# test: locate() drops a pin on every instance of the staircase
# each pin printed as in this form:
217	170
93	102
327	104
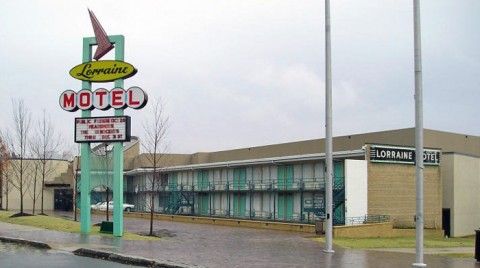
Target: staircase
180	199
339	201
319	205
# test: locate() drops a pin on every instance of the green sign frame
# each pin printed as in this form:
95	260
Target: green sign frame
85	198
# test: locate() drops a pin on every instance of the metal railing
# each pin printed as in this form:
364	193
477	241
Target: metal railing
368	218
306	184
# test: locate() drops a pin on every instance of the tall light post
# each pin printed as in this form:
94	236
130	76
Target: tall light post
418	134
328	133
1	182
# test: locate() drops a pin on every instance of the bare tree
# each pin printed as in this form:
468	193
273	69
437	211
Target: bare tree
74	159
16	140
7	186
45	144
4	161
155	146
101	177
106	177
33	192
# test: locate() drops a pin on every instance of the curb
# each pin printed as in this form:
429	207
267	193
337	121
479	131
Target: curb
104	255
131	260
32	243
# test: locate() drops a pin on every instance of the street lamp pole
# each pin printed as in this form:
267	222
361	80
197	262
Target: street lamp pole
1	182
418	135
328	134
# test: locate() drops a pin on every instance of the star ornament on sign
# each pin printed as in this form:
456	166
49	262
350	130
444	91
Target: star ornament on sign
103	44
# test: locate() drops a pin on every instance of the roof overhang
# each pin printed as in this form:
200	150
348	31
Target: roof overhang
250	162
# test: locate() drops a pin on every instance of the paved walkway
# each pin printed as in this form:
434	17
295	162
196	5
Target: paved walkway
217	246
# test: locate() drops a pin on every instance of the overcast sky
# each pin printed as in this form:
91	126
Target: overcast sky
244	73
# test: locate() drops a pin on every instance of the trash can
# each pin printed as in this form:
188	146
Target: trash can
477	245
106	227
319	226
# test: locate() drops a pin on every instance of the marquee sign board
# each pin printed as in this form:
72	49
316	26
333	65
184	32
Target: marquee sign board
402	155
102	129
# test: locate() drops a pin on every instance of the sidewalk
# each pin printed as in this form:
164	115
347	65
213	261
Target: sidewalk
199	245
82	245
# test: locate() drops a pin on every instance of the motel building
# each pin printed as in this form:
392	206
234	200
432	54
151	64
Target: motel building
374	180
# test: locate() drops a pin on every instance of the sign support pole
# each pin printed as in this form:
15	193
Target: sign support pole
85	216
119	42
85	151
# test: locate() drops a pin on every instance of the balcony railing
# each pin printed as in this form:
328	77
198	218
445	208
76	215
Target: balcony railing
304	184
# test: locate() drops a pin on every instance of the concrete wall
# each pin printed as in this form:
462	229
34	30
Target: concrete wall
462	192
356	188
57	168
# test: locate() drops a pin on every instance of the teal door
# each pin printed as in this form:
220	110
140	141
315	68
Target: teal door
202	180
285	206
239	199
239	178
172	181
203	200
285	177
239	205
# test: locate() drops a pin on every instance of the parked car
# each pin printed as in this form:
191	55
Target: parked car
95	206
103	206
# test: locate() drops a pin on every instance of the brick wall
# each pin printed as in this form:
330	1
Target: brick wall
379	230
392	191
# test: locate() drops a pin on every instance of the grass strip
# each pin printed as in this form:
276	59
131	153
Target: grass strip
63	225
402	242
458	255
